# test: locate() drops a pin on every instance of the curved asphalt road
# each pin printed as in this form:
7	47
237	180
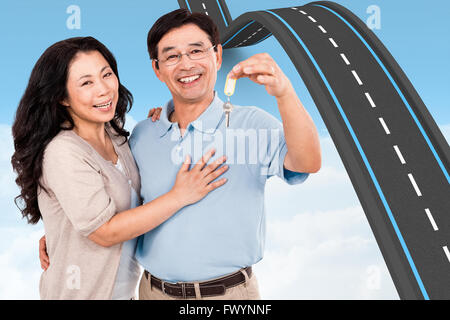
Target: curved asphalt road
395	155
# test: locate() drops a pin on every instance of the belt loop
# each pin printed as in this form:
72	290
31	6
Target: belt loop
247	280
183	290
198	294
149	279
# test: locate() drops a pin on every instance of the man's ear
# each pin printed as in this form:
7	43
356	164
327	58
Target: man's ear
156	70
218	56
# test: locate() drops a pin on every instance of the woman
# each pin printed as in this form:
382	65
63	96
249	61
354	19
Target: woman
76	172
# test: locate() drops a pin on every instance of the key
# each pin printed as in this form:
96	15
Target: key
230	85
227	108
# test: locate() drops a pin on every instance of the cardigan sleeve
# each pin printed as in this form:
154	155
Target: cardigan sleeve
76	181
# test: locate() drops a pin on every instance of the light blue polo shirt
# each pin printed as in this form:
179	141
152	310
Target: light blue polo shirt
224	231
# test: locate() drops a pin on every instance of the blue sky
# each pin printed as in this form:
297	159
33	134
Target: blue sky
326	248
416	33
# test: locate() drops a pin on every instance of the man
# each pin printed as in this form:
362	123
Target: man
206	250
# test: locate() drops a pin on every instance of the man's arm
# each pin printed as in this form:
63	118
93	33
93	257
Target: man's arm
302	138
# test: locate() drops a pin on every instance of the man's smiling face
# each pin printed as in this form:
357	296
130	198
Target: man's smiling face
189	81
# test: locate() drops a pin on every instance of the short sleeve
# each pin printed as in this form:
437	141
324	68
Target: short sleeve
132	139
77	183
135	135
273	149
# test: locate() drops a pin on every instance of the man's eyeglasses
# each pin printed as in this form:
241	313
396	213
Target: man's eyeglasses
193	54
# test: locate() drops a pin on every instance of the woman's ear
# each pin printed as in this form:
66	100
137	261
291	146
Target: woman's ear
64	103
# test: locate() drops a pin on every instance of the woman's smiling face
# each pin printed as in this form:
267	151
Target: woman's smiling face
92	89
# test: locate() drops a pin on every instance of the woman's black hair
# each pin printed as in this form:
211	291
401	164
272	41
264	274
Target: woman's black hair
40	115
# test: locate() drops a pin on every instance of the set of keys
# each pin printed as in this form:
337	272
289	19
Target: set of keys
230	85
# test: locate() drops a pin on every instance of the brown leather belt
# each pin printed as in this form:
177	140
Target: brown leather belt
209	288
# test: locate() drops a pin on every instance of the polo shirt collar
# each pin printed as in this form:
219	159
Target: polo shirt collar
207	122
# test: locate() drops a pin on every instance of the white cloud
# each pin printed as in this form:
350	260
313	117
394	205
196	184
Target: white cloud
323	255
130	123
319	244
19	259
445	129
328	189
19	262
8	189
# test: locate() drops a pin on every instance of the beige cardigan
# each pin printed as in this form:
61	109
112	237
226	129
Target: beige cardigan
84	192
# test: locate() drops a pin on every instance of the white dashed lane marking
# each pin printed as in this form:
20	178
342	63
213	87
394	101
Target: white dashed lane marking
357	78
430	217
385	127
370	100
413	182
245	40
301	11
399	154
447	253
204	8
333	42
345	59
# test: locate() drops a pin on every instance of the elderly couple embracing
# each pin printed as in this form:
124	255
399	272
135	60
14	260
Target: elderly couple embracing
153	212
